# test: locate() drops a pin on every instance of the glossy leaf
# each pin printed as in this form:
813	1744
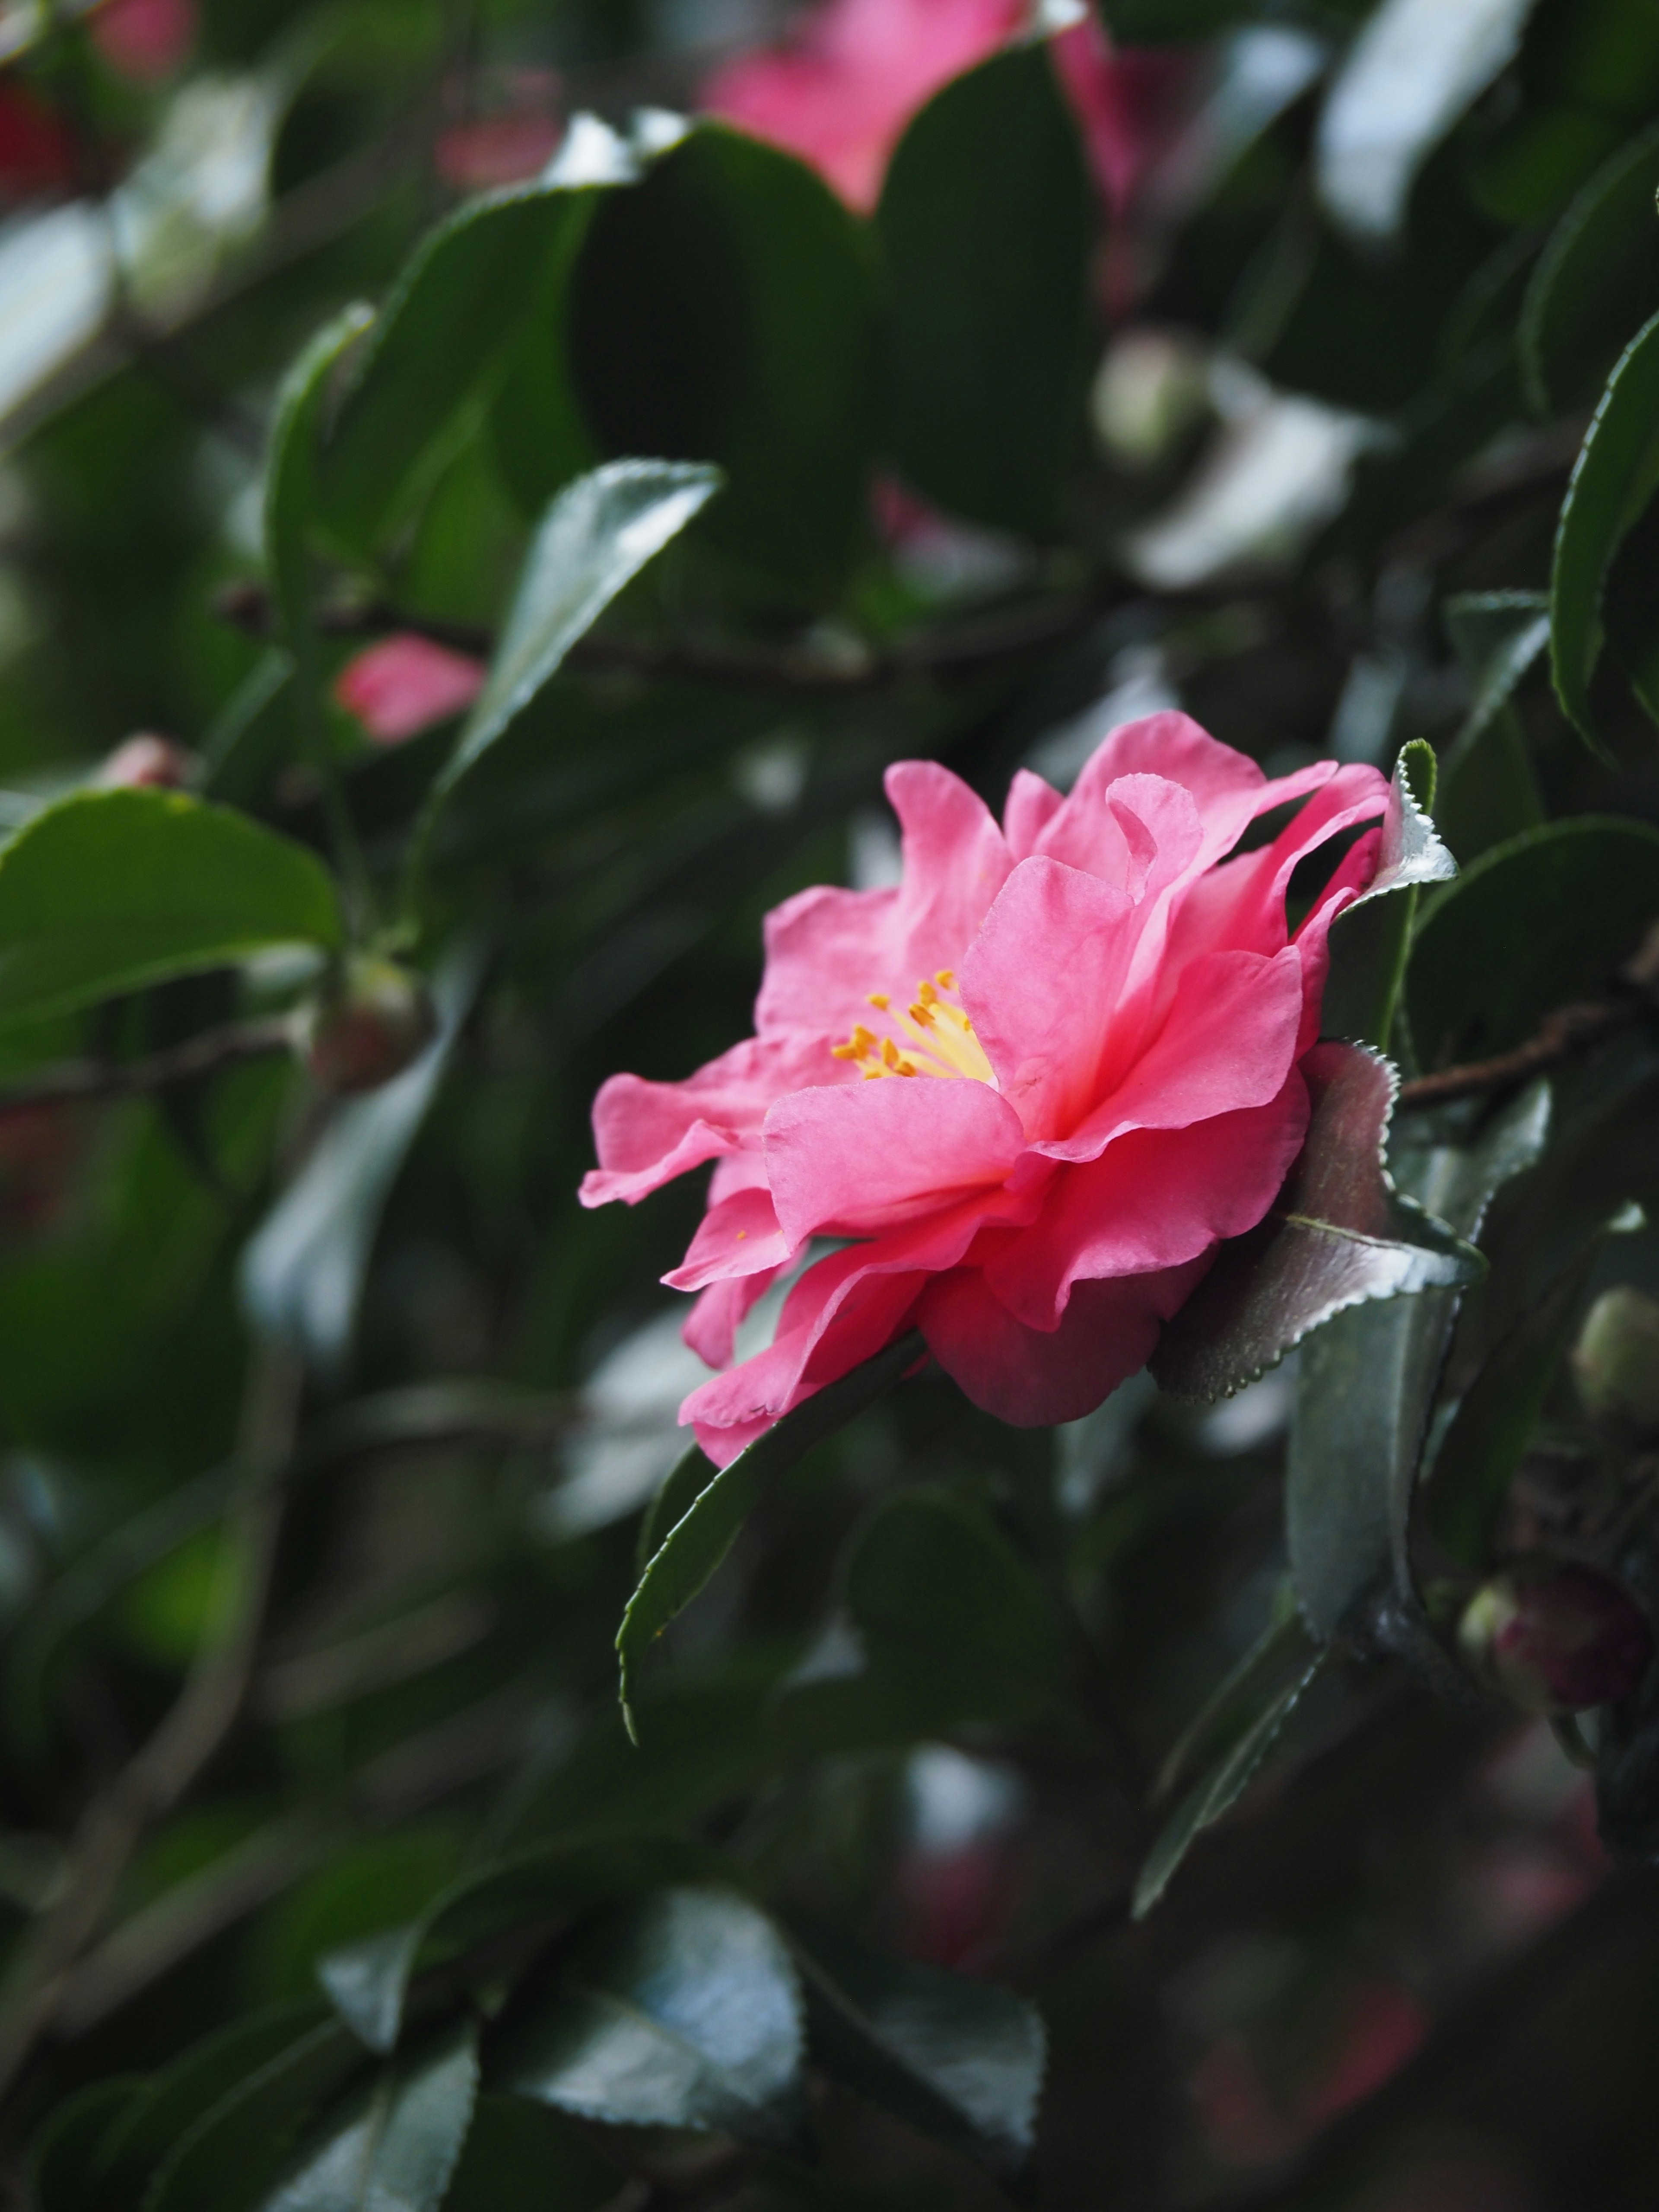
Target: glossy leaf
302	1271
959	2060
725	311
1369	939
986	223
234	2152
368	1981
443	339
594	539
1593	282
290	487
683	2013
109	890
521	2157
1219	1790
1364	1394
395	2146
696	1544
1544	919
1337	1236
1615	476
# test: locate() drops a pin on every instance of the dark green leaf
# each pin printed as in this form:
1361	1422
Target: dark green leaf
228	2157
695	1547
1488	791
443	339
1283	1636
1369	939
724	311
987	223
595	538
291	491
1593	282
1337	1236
1614	477
112	890
396	2143
1530	925
690	1474
67	2154
683	2013
521	2157
1219	1791
959	2060
368	1980
1630	605
1363	1400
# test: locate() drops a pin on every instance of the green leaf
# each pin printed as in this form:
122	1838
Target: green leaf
1284	1635
1339	1236
684	2012
950	1625
1630	607
445	337
1613	478
396	2144
696	1544
1219	1790
302	1271
66	2155
680	1486
521	2157
108	890
987	223
1542	919
368	1981
291	490
958	2060
595	539
725	311
1488	791
1595	282
232	2153
1370	940
1363	1395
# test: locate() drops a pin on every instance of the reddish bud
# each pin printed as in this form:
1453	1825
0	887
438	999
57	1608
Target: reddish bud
147	763
1554	1638
406	683
369	1029
1615	1362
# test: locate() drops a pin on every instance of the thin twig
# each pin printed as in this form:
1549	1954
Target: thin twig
1562	1036
957	652
159	1774
76	1079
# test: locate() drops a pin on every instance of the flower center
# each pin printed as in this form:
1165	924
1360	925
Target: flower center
938	1038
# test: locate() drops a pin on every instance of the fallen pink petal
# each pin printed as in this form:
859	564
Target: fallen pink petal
405	684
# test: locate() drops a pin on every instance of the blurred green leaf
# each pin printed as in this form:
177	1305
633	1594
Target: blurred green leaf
695	1547
1339	1236
396	2145
1488	791
1593	285
1616	475
959	2060
988	220
1534	924
226	2157
291	491
724	311
521	2157
109	890
65	2157
685	2012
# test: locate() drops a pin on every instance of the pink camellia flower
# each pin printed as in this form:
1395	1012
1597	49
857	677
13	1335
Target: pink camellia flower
1031	1087
840	92
404	685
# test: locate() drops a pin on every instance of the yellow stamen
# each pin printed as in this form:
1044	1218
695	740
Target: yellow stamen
880	1000
932	1036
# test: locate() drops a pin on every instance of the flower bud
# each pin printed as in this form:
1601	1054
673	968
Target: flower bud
1615	1362
1555	1638
368	1029
146	762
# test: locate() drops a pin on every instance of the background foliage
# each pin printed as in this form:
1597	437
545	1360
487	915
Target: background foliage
335	1438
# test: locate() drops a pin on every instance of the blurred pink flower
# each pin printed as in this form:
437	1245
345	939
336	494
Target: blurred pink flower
492	150
840	92
1117	1011
147	762
145	39
404	685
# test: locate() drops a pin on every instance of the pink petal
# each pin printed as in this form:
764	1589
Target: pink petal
1154	1200
738	1236
712	1325
404	685
646	1134
1034	1377
855	1161
1040	985
1032	805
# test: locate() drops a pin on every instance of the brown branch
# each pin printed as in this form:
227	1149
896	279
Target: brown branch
954	652
1565	1035
75	1080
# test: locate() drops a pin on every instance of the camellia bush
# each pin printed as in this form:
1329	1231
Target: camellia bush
828	1059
